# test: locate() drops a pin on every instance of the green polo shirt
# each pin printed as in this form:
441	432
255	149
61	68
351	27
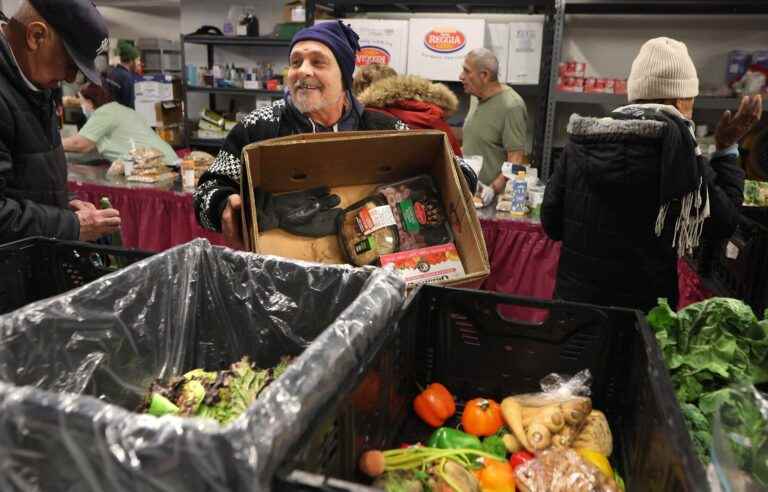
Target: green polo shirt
494	127
113	126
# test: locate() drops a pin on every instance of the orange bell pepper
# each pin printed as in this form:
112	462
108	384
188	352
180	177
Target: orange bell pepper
496	476
435	405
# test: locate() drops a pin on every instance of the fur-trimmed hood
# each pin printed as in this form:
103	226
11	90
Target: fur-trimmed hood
385	92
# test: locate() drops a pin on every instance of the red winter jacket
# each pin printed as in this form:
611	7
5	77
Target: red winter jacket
417	102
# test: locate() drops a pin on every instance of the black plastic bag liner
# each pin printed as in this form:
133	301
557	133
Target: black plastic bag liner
75	367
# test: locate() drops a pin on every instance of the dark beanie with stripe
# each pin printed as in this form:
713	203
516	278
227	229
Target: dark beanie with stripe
340	39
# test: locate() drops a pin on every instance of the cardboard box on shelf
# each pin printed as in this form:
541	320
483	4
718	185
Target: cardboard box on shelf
353	164
497	36
593	85
437	47
150	92
381	41
525	43
321	11
169	113
573	69
620	86
570	84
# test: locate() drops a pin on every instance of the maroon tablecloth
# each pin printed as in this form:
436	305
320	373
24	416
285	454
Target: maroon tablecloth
523	259
524	262
153	219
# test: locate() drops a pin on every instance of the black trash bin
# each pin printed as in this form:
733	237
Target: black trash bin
74	367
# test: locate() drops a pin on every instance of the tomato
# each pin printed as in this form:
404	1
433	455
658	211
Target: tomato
482	417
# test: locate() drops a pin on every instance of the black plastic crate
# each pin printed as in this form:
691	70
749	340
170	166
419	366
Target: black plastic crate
37	268
740	263
457	337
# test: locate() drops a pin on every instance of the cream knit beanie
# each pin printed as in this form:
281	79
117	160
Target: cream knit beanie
662	70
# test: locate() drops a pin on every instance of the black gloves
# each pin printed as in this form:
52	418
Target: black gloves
310	213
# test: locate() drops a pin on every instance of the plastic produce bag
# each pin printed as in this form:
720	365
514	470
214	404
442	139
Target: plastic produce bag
552	418
562	470
74	367
740	441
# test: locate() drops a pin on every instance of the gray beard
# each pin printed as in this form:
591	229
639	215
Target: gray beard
306	107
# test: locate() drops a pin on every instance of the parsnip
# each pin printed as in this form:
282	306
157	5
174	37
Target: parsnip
513	416
539	436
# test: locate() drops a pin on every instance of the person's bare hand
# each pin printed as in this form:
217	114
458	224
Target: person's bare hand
732	128
230	223
76	205
95	224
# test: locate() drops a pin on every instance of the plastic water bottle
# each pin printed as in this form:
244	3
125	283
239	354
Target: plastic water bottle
519	196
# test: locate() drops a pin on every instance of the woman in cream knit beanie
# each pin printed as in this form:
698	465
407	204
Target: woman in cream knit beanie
663	70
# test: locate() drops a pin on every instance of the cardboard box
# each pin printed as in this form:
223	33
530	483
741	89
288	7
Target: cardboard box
620	86
497	36
573	69
570	84
437	47
169	113
593	85
353	164
382	41
525	42
150	92
321	11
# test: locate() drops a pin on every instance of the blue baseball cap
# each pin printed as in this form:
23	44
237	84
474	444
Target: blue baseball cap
82	29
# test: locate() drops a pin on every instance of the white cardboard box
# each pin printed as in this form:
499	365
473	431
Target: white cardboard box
149	92
382	41
497	36
525	41
437	47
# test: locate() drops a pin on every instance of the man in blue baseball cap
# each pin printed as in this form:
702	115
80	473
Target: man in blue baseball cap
322	60
44	43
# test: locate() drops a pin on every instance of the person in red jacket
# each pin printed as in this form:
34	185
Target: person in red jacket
417	102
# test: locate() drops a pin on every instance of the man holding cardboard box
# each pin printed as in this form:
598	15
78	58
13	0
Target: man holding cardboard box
322	61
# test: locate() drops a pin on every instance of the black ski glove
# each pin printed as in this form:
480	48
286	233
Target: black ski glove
308	213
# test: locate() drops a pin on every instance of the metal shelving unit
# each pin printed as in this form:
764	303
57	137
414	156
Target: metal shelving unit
628	7
211	42
702	102
343	7
234	91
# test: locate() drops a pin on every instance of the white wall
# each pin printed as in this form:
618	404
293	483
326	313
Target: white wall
126	23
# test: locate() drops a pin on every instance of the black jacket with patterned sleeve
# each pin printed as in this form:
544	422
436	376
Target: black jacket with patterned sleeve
279	119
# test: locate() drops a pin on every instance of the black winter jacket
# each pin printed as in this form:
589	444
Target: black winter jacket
33	169
602	202
277	120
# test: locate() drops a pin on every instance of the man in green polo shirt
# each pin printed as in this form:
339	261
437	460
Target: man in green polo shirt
496	125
